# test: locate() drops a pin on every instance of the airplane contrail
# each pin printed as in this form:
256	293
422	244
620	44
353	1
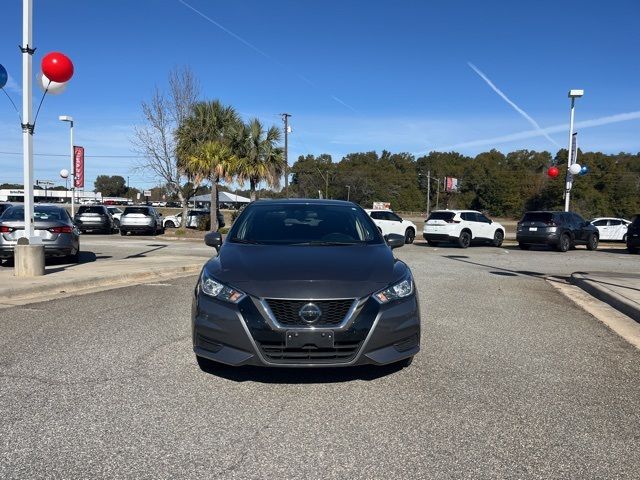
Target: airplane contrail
508	100
261	52
595	122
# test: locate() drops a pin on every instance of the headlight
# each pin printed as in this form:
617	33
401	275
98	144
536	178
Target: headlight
401	289
220	291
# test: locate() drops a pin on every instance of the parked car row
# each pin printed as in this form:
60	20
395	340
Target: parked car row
52	224
60	233
560	230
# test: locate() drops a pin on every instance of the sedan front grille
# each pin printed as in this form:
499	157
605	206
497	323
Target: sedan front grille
287	312
341	352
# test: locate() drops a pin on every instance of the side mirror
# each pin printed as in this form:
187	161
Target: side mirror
394	240
213	239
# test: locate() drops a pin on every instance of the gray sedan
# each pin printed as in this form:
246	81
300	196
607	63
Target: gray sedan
53	225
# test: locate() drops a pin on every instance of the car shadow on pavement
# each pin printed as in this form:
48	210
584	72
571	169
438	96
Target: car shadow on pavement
143	254
85	257
505	272
301	375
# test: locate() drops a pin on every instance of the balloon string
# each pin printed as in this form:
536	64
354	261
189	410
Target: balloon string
14	105
40	104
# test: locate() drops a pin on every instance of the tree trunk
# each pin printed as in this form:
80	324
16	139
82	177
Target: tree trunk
252	184
213	211
184	202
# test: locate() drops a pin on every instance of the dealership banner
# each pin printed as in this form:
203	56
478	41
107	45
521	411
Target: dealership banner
78	166
451	184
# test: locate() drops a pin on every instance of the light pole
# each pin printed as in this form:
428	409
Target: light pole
285	119
573	94
348	192
67	118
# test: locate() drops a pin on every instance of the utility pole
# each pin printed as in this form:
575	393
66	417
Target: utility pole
348	192
428	192
438	194
285	119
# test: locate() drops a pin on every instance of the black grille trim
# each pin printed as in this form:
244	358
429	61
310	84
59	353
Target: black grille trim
286	312
341	352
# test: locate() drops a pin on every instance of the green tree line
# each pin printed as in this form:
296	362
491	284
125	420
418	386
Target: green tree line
495	183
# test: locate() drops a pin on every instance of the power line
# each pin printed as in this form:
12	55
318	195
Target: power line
66	155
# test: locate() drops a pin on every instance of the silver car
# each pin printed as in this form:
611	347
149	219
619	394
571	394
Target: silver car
116	213
141	219
53	225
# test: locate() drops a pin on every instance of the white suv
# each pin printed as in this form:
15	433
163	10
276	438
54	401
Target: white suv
461	227
389	222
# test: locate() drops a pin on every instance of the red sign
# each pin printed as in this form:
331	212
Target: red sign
78	166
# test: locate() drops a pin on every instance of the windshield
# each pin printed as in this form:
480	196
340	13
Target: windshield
304	224
40	213
99	210
441	216
542	217
129	210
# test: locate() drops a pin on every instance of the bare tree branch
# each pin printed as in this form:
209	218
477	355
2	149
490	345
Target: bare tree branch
155	141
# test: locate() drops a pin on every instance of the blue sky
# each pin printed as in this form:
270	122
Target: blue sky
356	75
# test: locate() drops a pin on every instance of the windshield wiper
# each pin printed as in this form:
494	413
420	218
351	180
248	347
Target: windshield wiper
245	240
322	243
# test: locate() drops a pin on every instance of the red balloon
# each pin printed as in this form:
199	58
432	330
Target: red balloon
553	172
57	67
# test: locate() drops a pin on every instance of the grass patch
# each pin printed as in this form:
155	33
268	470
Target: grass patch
179	232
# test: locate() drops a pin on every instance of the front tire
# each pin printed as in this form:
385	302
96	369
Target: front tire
170	224
632	249
564	244
123	232
409	235
464	240
498	238
592	242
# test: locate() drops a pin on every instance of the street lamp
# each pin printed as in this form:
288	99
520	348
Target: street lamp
573	94
67	118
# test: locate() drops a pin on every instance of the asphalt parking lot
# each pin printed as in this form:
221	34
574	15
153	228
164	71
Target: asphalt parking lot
513	381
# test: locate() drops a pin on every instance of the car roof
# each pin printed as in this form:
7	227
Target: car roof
455	211
305	201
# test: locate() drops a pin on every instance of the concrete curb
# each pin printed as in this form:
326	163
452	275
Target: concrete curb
80	285
601	292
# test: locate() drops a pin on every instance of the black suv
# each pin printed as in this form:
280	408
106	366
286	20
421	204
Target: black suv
94	218
563	230
633	234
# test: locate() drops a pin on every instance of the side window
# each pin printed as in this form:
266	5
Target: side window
600	223
577	220
393	217
482	218
468	216
565	219
615	222
378	215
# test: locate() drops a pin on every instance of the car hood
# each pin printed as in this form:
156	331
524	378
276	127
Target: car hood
305	272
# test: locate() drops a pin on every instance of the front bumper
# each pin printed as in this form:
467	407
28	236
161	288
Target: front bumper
438	237
6	251
542	238
137	228
92	226
239	335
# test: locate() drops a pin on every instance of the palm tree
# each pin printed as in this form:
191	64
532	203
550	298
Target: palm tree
214	161
259	158
208	123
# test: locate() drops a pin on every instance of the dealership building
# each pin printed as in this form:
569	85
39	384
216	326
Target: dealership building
48	196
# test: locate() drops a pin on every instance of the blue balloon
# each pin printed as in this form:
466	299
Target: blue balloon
584	170
3	76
